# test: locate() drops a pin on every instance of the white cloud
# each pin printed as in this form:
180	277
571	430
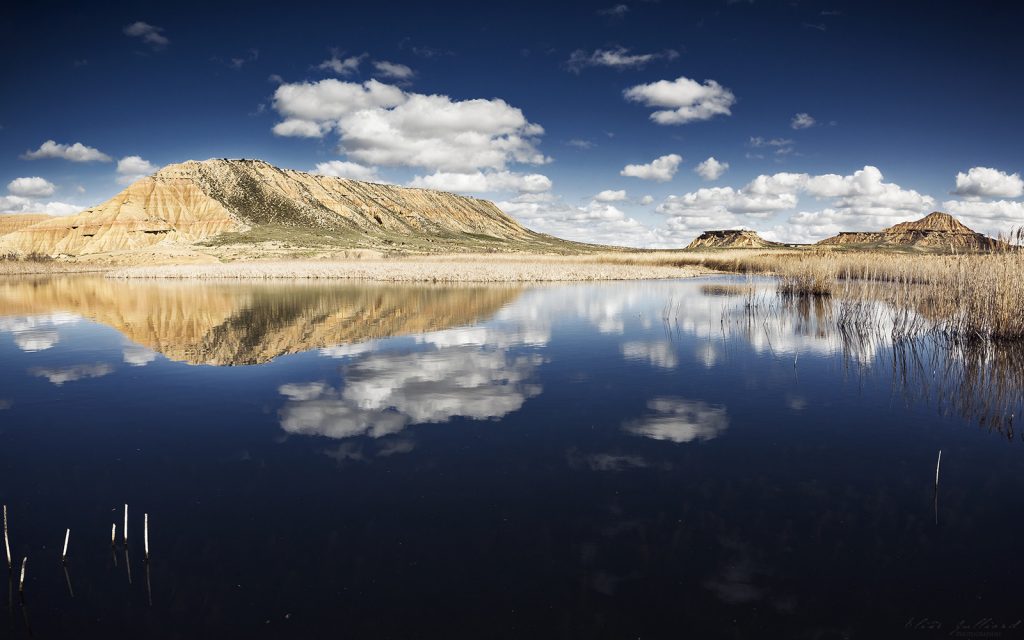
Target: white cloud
34	187
648	199
989	217
328	100
683	100
615	58
380	124
858	201
393	70
802	121
711	169
297	128
597	222
342	67
21	204
661	169
350	170
76	152
680	420
150	34
131	168
988	183
611	196
483	182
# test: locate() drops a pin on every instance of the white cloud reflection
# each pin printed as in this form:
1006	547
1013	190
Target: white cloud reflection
471	373
60	375
36	333
137	356
680	420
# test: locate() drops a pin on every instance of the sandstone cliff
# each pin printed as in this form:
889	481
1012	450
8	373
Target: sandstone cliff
184	204
936	231
731	239
14	221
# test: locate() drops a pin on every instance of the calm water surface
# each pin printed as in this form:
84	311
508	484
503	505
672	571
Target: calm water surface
620	460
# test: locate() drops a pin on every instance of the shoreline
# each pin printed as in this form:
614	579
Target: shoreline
477	269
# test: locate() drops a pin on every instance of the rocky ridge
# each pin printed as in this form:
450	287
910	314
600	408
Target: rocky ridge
731	239
936	231
192	202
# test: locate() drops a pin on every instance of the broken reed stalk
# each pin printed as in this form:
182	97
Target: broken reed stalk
7	544
145	536
64	554
937	463
21	581
124	532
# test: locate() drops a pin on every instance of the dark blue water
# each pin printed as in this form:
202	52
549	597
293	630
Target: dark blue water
620	460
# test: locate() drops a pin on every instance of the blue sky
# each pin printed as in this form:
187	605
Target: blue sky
830	115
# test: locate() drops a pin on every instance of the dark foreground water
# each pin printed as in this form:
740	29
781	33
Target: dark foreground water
621	460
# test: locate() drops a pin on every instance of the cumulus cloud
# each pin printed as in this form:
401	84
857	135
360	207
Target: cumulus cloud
989	217
483	182
648	199
21	204
985	182
680	420
862	200
615	58
351	170
380	124
340	66
34	187
661	169
393	70
597	222
683	100
802	121
131	168
611	196
76	152
711	169
150	34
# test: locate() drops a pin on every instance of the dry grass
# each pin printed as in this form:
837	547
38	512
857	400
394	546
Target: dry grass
490	268
34	264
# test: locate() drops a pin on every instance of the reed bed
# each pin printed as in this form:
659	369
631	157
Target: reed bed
963	297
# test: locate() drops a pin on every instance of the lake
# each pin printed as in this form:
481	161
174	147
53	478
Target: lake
652	459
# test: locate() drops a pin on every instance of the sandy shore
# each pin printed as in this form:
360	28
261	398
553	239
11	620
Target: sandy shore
423	269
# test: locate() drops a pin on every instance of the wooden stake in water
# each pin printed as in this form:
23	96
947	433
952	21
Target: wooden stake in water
64	554
21	581
124	532
7	544
145	535
937	463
